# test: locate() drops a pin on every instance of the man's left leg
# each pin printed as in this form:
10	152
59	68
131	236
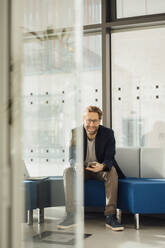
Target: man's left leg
111	190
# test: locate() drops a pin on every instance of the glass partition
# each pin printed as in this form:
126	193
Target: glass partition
92	12
92	71
47	102
51	98
132	8
138	87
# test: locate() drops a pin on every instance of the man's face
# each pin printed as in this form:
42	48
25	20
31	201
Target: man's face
91	122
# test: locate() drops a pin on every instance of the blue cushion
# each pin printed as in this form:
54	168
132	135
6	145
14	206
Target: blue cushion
51	192
44	193
36	195
94	193
136	195
30	195
142	195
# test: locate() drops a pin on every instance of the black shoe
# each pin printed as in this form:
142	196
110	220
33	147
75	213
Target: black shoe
112	223
68	222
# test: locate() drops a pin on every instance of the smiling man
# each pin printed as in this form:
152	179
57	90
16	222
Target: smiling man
99	164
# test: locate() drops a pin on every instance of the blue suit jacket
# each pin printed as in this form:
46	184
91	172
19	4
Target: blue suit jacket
104	148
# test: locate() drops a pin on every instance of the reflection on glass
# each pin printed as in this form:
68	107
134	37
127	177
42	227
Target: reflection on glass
50	112
139	87
48	15
46	103
92	71
92	12
132	8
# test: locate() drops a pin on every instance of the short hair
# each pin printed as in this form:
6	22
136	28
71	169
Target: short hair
94	109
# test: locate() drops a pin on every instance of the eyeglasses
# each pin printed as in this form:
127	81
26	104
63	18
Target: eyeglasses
88	121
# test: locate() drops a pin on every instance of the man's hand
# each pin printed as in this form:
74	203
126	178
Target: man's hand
97	167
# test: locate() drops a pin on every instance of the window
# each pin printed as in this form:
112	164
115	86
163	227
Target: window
92	12
138	87
49	96
131	8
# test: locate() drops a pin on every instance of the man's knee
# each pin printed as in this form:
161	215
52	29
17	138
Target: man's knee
113	173
69	172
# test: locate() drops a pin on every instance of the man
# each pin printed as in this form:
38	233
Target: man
99	164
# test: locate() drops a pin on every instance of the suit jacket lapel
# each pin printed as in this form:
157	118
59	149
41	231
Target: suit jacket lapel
97	143
85	144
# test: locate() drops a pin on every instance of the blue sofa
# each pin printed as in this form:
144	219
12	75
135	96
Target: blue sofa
136	194
40	194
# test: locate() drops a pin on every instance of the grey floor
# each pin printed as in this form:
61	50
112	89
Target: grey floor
151	233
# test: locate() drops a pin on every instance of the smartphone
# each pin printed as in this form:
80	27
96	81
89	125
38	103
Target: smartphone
91	164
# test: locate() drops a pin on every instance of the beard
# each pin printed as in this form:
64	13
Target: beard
92	132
